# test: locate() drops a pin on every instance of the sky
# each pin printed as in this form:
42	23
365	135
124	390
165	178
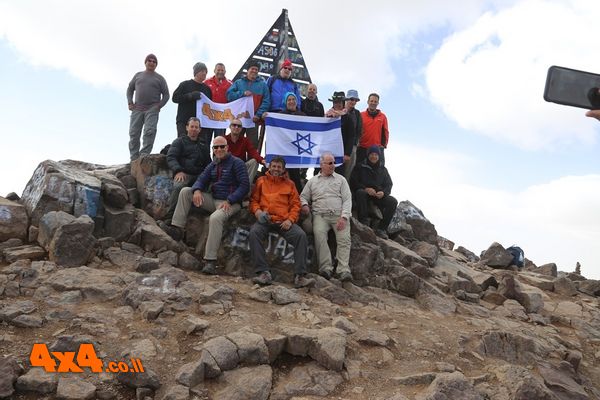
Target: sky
473	144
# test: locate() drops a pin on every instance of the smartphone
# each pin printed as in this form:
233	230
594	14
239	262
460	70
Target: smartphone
571	87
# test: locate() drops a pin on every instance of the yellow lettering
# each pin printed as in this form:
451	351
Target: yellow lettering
206	110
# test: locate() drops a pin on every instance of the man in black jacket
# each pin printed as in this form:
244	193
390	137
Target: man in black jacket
186	95
371	182
311	105
187	159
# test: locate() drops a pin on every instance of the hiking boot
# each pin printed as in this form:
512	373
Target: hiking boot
381	233
301	281
263	279
210	267
345	277
326	274
175	232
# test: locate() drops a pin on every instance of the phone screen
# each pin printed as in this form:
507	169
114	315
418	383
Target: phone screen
572	88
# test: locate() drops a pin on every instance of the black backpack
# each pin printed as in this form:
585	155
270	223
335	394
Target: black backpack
518	255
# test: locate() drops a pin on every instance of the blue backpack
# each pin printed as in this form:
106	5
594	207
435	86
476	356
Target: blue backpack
518	255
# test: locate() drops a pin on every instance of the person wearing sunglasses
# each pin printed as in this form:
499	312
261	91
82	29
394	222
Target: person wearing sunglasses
219	189
241	147
151	94
281	84
328	198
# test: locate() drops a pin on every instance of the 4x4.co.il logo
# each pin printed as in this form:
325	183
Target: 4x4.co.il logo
86	358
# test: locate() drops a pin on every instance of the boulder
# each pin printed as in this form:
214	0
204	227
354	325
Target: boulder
25	252
75	388
9	372
307	380
426	250
246	383
37	380
13	220
467	253
549	269
73	244
114	193
450	386
154	183
49	224
327	346
421	227
589	286
496	256
565	286
62	186
118	222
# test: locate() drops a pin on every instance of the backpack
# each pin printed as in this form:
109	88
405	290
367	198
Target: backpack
518	255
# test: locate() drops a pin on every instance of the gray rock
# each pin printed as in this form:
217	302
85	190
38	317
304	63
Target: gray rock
344	324
148	379
73	244
491	295
275	345
211	368
14	242
416	379
564	286
426	250
94	284
496	256
25	252
327	346
563	381
74	388
223	351
154	184
421	227
590	287
459	283
13	220
510	347
48	225
27	321
306	380
467	253
37	380
374	338
404	282
9	372
168	257
252	383
194	325
145	265
177	392
453	386
12	310
532	301
151	309
188	261
114	195
279	294
251	348
444	243
190	374
122	258
222	293
119	222
549	269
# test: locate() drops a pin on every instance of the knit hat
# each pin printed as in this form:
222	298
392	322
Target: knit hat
374	149
287	64
150	57
199	66
285	97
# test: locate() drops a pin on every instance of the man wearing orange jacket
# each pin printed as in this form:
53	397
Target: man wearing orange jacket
374	132
276	205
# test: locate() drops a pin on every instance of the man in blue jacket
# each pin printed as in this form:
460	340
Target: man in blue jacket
227	178
252	85
281	84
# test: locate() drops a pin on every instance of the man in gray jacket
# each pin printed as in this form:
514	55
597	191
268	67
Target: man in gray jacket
151	94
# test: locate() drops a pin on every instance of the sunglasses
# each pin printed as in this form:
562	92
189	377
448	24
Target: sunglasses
236	125
328	163
219	146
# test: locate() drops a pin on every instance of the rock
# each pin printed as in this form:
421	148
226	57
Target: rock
496	256
421	227
25	252
145	265
188	261
12	310
374	338
306	380
251	348
574	357
114	194
148	379
539	281
327	346
62	186
154	184
95	285
9	372
450	386
279	294
27	321
177	392
458	283
193	324
589	286
565	287
119	222
404	282
223	351
563	381
211	368
151	309
13	220
168	257
549	269
246	383
48	225
37	380
522	384
444	243
73	244
532	301
467	253
417	379
344	324
10	243
510	347
426	250
122	258
275	345
74	388
190	374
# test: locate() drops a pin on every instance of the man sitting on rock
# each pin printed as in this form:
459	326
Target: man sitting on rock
187	159
276	205
227	179
371	183
241	147
330	200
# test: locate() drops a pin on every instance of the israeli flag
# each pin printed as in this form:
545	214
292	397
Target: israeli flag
301	140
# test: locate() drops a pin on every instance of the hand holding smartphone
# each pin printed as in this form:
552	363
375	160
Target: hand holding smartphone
573	88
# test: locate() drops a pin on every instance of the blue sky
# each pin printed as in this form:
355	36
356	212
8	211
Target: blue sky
473	143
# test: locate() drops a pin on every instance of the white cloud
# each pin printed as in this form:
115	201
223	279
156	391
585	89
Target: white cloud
490	77
557	221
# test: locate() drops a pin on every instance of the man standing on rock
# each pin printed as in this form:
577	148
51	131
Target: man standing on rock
187	159
276	205
374	130
151	94
227	179
371	183
327	195
219	85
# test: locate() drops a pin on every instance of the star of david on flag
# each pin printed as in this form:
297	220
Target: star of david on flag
301	140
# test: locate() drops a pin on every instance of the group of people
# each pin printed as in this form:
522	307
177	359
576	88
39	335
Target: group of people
280	198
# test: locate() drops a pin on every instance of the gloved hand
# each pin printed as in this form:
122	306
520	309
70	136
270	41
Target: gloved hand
264	218
194	95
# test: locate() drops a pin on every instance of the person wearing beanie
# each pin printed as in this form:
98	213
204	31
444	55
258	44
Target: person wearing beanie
186	95
371	183
354	124
280	84
375	130
252	85
151	94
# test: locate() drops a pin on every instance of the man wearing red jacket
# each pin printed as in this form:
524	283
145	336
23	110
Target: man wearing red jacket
276	205
374	132
241	147
218	85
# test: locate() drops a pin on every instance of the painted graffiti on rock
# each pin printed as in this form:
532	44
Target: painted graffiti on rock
276	245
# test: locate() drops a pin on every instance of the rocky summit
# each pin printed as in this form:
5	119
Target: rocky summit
84	265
